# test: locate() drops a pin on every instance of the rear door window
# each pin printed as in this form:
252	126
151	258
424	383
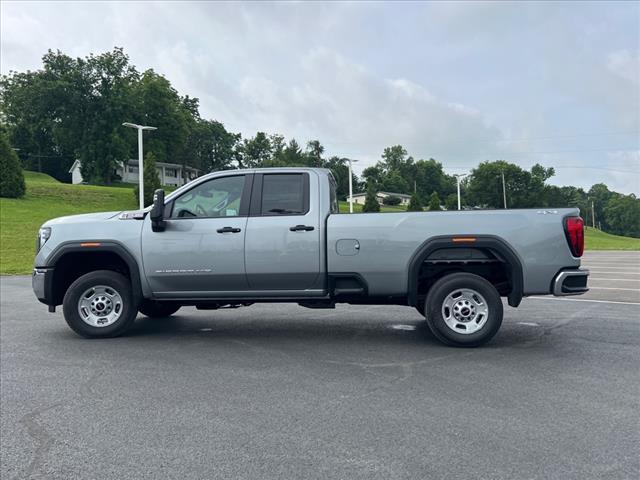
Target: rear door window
285	194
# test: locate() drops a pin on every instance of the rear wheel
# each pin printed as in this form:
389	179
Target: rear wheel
154	309
99	304
463	310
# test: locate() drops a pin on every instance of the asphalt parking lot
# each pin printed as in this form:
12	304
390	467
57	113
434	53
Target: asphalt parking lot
279	391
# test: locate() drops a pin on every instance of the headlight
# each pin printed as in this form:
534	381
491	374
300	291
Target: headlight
43	235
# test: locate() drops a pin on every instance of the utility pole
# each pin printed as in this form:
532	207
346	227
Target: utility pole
504	190
593	215
140	129
459	176
350	185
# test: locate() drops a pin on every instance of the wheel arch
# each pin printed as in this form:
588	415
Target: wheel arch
491	243
93	255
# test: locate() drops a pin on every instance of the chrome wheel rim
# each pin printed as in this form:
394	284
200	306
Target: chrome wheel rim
100	306
465	311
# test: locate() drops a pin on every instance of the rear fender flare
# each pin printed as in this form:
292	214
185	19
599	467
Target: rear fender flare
490	242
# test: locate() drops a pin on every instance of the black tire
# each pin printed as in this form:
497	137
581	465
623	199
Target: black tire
436	309
127	311
154	309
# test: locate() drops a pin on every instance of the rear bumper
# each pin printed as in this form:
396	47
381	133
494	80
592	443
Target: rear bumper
41	282
570	282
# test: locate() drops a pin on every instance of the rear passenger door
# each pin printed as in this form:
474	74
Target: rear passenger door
282	242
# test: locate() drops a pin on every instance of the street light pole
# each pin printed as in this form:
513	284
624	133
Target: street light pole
351	185
504	190
140	128
459	176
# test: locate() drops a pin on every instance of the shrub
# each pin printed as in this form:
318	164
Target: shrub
371	201
414	204
434	202
11	176
151	179
451	202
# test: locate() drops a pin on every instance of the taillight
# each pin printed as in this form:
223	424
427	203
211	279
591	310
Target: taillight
574	230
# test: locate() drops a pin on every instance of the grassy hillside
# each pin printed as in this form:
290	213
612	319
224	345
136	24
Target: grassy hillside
597	240
47	198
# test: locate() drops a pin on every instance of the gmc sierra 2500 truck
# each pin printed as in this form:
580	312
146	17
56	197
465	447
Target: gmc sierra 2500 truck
236	237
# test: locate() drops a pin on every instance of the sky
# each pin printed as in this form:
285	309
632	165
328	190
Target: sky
461	82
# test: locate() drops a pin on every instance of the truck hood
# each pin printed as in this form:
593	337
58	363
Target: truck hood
86	217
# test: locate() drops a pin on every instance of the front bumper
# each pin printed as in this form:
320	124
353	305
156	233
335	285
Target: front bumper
41	282
570	282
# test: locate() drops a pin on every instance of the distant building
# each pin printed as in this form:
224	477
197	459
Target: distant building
170	174
380	196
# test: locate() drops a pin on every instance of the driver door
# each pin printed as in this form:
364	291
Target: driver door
201	252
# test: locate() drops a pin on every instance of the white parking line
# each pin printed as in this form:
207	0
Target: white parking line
611	264
617	279
583	300
634	272
612	288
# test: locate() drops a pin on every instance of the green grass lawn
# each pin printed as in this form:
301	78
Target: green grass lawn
47	198
595	239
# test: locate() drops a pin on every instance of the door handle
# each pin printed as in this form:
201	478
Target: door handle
228	230
303	228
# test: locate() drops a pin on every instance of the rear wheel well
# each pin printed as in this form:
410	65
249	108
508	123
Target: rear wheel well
71	266
484	262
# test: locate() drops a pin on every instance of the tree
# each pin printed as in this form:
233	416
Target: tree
371	200
451	202
393	158
340	169
394	182
415	205
314	153
256	151
599	195
158	104
292	155
373	175
150	178
210	146
434	202
12	178
73	108
523	189
622	215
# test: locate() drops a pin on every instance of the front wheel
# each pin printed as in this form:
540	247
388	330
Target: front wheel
463	310
99	304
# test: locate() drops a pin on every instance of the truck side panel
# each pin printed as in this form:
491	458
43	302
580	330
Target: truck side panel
387	242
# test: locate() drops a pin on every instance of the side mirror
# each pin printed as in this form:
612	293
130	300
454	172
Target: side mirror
157	212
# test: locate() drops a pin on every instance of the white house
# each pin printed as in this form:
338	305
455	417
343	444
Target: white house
360	198
169	173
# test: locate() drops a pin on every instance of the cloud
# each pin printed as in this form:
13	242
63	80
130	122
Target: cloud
625	65
355	112
461	82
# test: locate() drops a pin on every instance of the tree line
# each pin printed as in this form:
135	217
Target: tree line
73	108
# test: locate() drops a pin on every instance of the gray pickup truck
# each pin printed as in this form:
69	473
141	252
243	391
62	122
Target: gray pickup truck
237	237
